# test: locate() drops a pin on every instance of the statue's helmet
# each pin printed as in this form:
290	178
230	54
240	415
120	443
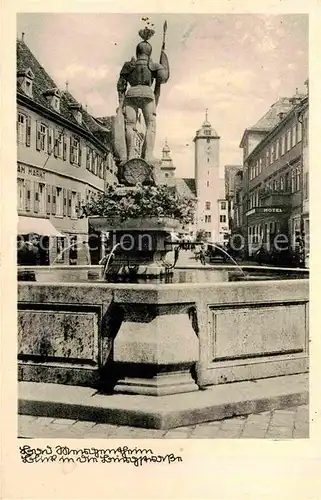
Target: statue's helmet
143	49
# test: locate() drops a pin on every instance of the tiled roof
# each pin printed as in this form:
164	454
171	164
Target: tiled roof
231	167
88	121
186	186
107	121
43	82
271	118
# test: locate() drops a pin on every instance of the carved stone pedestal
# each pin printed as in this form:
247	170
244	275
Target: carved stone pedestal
155	350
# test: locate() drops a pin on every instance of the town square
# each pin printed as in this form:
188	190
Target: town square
163	238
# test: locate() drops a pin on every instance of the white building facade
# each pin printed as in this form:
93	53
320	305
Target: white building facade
223	222
209	185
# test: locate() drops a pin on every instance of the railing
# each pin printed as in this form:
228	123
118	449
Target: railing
266	192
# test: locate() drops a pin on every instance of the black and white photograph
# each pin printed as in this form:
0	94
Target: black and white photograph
163	226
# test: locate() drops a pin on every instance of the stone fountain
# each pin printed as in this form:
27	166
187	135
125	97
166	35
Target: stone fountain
154	351
157	339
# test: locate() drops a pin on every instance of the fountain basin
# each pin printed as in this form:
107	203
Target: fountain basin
139	246
159	339
187	274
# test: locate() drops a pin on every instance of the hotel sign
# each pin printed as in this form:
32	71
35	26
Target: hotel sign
271	210
35	172
266	210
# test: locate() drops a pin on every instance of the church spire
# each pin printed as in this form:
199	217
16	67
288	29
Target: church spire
166	151
206	123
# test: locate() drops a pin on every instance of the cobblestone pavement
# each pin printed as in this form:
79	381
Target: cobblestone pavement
278	424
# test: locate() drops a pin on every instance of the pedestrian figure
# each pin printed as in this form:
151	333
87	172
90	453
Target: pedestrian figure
28	251
260	255
202	255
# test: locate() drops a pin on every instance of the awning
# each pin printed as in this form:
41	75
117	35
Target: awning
43	227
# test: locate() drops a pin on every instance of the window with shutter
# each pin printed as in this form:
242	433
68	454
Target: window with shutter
42	207
36	196
28	131
59	202
28	195
43	137
50	141
299	131
38	136
68	203
53	203
298	179
101	168
79	155
288	140
95	169
48	199
293	136
93	161
282	145
71	155
75	151
64	140
21	128
88	159
293	179
58	146
64	195
74	206
56	138
78	204
281	183
21	194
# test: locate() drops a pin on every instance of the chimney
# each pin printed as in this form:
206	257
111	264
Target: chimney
296	98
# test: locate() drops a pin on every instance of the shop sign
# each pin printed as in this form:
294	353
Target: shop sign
35	172
265	210
272	210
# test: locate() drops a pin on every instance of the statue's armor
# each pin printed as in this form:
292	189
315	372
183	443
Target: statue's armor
140	74
135	92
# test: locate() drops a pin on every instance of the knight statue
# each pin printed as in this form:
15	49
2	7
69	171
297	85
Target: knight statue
136	92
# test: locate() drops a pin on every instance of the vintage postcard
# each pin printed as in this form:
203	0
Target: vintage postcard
157	252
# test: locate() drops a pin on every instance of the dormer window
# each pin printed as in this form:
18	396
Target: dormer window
56	103
25	78
53	98
78	117
76	111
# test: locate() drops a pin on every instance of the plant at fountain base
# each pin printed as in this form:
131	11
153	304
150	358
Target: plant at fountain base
142	202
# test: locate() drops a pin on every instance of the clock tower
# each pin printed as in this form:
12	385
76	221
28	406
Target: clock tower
209	186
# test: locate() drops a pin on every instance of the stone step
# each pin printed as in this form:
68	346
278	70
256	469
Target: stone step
164	412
